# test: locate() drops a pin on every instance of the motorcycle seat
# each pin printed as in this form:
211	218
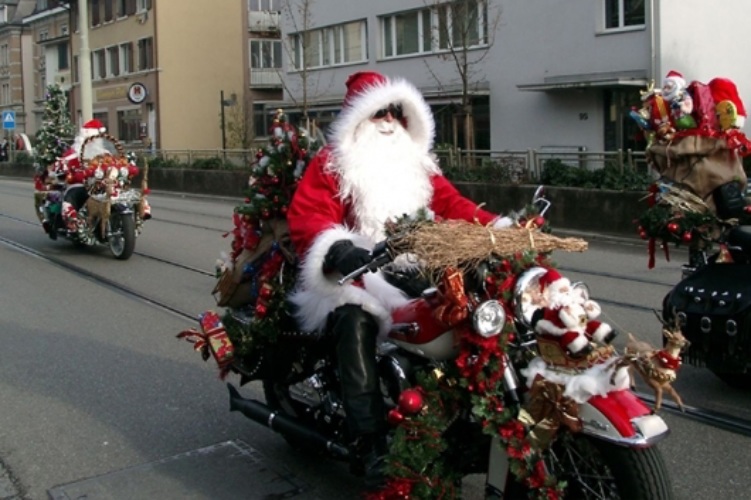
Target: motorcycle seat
740	236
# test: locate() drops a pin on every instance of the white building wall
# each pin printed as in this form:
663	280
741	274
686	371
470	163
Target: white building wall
539	41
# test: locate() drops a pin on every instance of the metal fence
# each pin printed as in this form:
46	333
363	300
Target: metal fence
512	166
520	166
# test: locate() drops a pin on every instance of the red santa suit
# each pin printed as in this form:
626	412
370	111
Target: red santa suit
338	200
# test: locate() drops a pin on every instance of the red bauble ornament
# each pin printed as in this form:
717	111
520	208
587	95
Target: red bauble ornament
643	235
747	209
395	417
539	221
673	227
411	401
266	292
283	209
265	213
261	310
687	237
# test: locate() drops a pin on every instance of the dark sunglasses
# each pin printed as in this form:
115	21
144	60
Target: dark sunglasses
395	110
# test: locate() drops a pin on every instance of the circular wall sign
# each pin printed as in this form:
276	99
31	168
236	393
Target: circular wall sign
137	93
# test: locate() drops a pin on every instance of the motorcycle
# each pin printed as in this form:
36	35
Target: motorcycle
465	376
94	203
712	302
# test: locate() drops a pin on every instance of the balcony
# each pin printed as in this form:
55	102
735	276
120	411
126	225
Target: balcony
263	21
265	78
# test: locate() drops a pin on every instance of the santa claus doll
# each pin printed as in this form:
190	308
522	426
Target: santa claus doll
569	317
680	101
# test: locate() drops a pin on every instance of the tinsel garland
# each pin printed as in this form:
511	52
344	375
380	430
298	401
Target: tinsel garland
416	468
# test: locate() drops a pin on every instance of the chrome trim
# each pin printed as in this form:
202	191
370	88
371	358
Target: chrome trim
705	324
731	328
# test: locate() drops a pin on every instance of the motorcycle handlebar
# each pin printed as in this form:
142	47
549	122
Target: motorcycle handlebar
380	256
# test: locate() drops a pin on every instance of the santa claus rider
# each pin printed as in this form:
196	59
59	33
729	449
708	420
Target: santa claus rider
377	167
68	168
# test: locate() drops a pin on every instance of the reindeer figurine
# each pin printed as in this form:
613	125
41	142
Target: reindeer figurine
658	367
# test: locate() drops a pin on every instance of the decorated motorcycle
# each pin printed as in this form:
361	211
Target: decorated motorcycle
90	199
699	202
483	370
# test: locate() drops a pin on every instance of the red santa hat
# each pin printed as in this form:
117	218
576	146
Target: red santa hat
94	125
549	278
724	89
360	82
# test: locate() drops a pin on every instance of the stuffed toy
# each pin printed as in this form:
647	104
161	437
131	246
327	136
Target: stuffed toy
569	317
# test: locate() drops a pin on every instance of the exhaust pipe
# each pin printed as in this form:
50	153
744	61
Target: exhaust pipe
281	423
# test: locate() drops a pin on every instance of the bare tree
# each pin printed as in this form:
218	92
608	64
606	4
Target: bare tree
239	124
465	30
300	48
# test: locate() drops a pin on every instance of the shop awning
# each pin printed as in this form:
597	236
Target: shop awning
584	81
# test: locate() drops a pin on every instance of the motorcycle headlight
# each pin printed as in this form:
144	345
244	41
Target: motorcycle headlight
489	318
99	174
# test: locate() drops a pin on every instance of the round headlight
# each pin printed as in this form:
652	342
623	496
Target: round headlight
99	174
489	318
124	172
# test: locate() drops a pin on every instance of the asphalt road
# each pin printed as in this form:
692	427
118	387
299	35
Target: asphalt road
98	397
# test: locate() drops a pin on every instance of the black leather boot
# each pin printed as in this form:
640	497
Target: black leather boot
355	333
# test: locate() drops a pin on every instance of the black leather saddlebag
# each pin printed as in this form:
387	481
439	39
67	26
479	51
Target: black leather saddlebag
716	302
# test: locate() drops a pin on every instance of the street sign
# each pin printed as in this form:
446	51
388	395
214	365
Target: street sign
9	120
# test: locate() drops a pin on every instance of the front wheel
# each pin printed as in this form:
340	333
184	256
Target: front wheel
122	237
597	470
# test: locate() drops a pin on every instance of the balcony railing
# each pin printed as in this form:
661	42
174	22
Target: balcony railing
263	21
265	78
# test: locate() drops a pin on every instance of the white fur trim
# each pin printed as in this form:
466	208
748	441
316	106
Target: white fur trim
420	123
580	386
318	294
592	308
578	343
572	316
547	326
601	332
502	222
740	121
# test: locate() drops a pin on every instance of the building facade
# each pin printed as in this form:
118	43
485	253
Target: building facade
540	74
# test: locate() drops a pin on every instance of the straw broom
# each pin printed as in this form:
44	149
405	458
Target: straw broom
463	245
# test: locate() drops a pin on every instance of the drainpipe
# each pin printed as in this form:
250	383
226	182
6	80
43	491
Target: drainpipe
653	40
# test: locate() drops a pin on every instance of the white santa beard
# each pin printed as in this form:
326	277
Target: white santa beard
384	176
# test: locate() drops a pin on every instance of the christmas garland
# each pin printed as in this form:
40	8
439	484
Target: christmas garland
416	468
271	271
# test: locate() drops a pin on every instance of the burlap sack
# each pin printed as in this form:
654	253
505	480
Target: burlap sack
700	164
233	289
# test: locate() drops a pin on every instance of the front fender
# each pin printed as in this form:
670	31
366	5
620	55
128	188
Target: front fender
622	418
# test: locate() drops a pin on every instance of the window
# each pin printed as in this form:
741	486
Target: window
62	56
143	5
145	54
263	5
64	30
265	54
113	58
129	125
98	64
455	24
126	58
75	69
5	94
41	4
4	55
335	45
624	13
95	17
43	35
108	11
126	8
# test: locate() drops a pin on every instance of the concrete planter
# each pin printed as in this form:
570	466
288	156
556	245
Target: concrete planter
587	210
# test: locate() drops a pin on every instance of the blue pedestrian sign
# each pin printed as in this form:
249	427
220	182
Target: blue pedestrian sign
9	120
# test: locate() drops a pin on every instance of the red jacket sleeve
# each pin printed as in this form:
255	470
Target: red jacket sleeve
448	203
315	205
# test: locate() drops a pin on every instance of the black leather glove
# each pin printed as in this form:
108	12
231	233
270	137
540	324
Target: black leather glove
343	256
